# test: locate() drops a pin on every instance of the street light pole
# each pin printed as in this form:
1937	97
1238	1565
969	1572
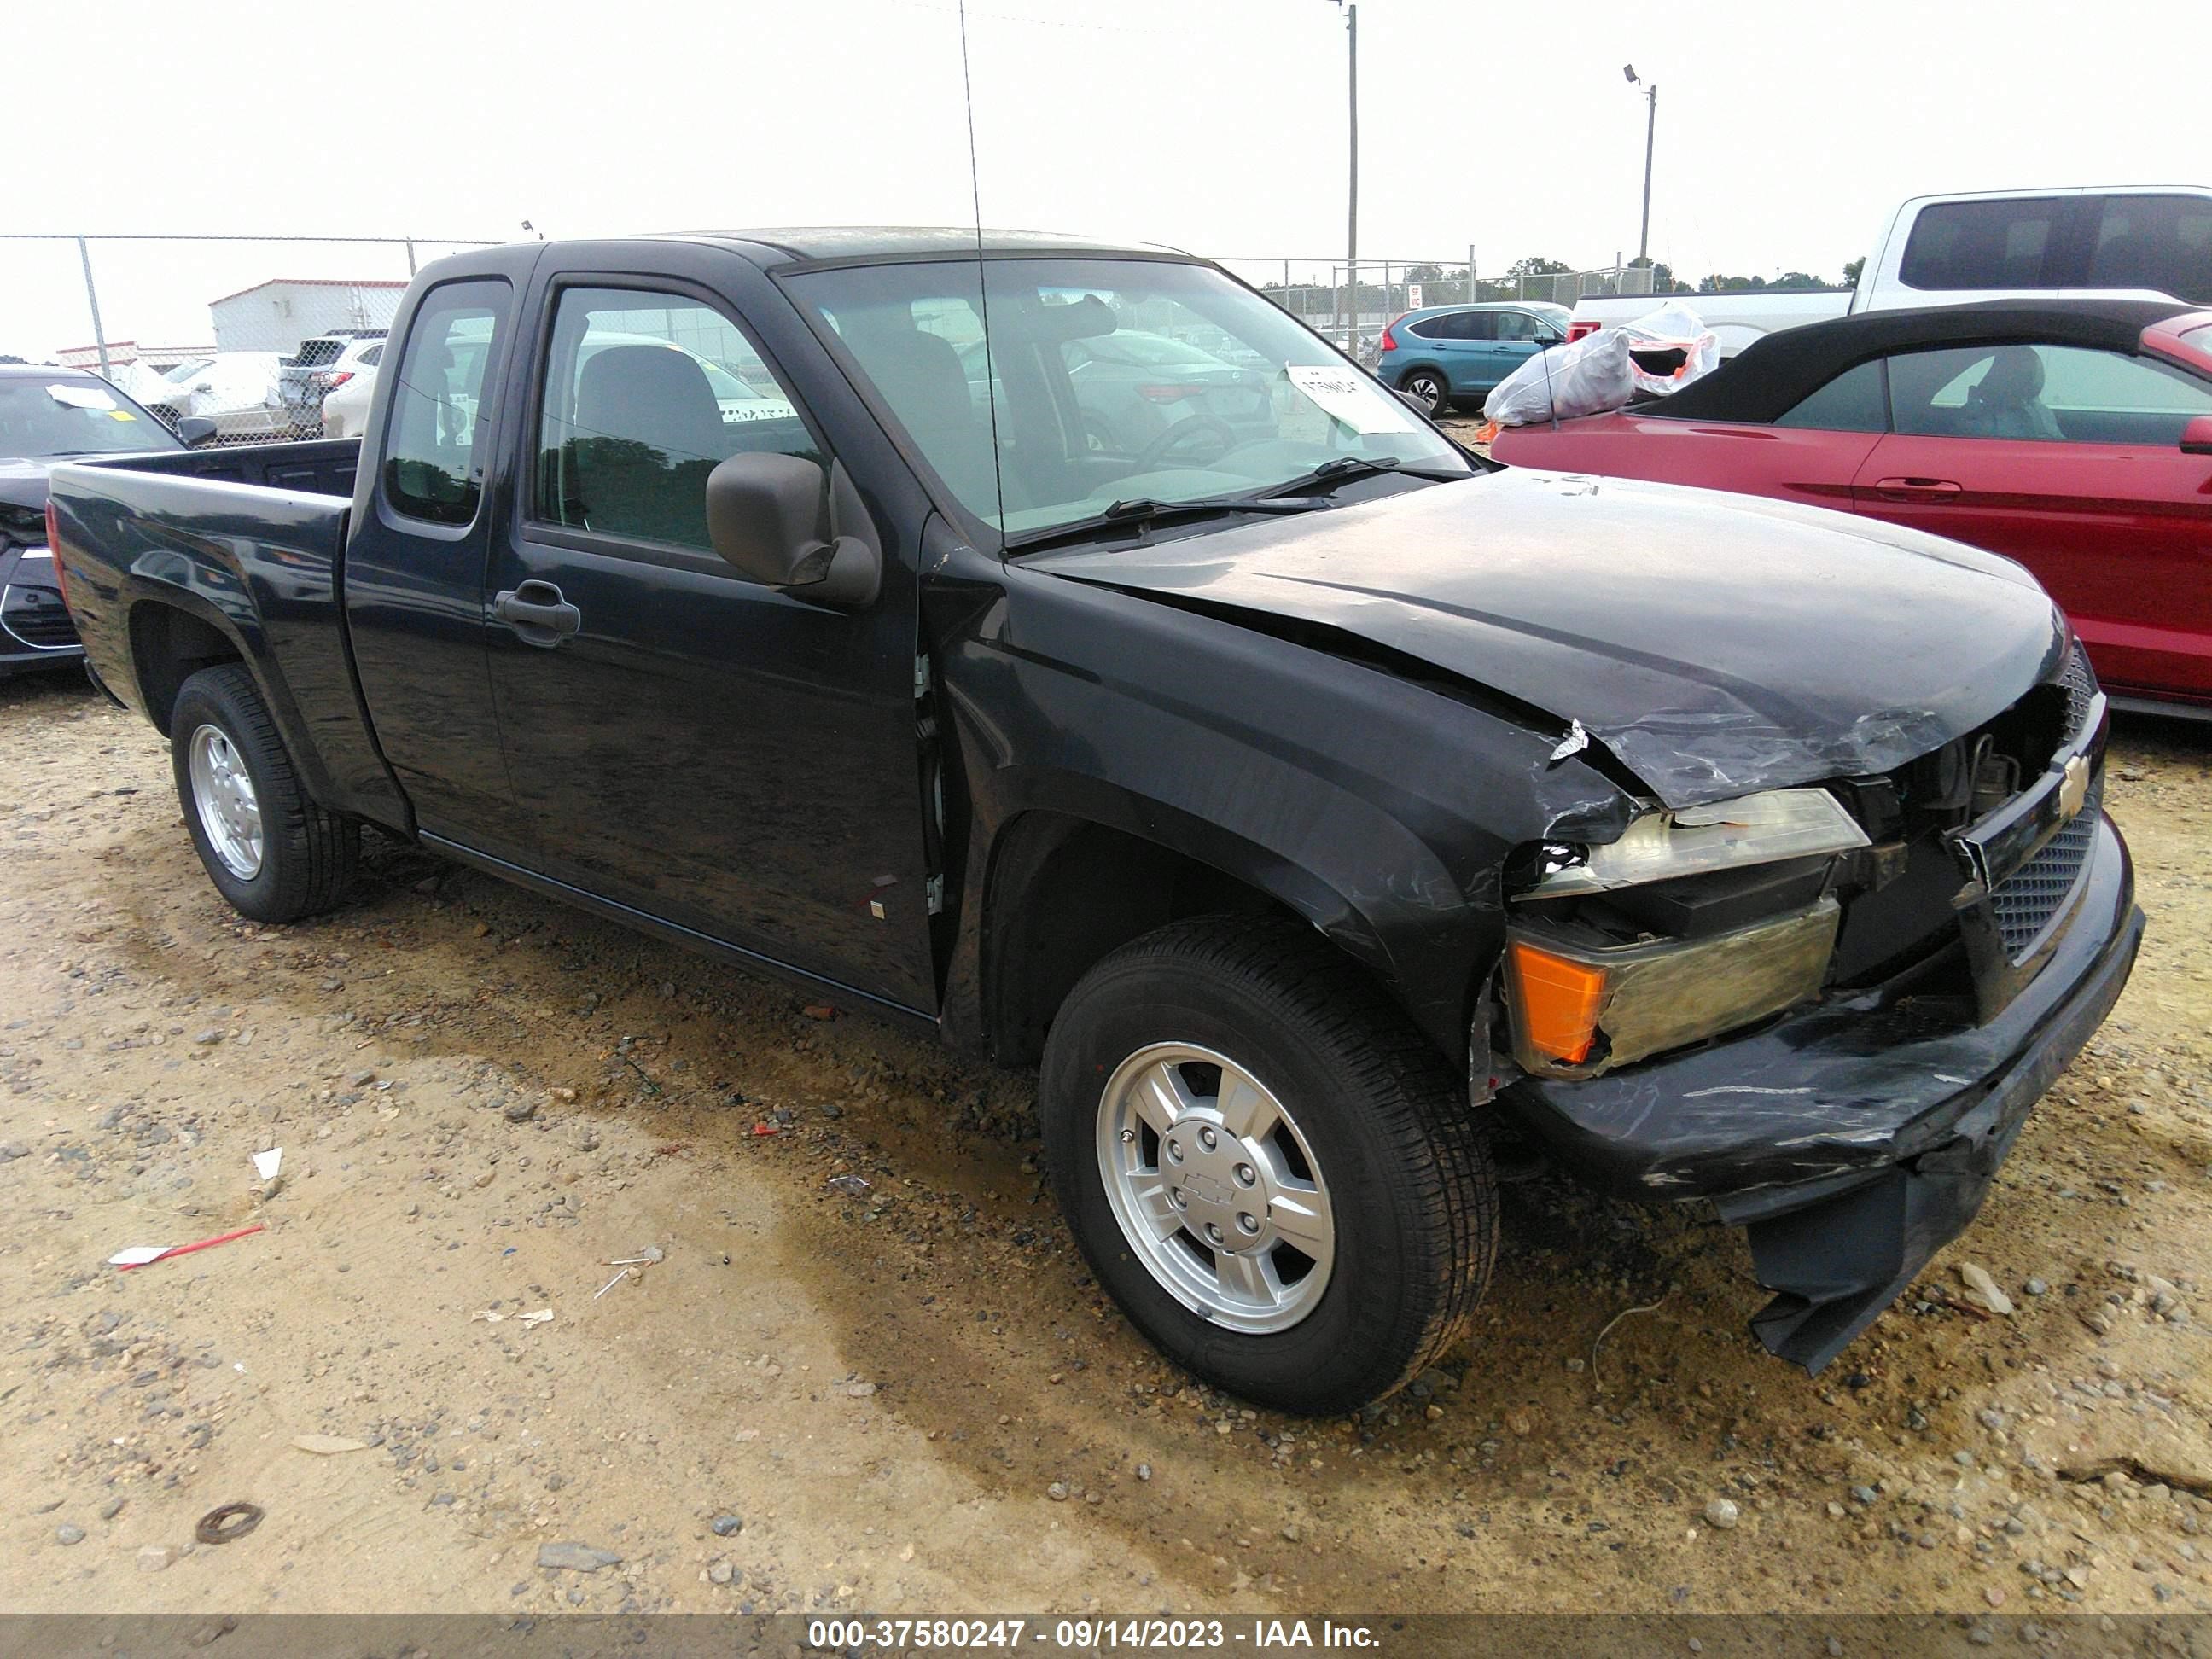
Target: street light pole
1352	185
1651	133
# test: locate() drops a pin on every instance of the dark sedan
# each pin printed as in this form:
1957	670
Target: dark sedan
48	414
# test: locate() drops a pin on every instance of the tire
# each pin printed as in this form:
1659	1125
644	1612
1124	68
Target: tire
1394	1159
1430	387
305	857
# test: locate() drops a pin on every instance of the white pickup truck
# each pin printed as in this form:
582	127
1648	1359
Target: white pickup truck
2136	241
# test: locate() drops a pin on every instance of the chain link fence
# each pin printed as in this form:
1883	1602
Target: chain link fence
266	338
262	338
1353	314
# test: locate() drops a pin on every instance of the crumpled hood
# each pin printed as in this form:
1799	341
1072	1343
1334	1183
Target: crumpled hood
1716	644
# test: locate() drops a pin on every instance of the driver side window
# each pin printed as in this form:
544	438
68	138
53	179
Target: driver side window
2043	393
644	394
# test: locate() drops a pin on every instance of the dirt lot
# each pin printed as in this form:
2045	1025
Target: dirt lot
914	1398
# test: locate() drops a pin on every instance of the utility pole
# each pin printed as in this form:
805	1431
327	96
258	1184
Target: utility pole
1650	132
1352	187
92	299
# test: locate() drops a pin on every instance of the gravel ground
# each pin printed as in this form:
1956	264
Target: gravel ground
910	1396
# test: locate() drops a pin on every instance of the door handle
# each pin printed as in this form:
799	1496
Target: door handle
1916	490
538	613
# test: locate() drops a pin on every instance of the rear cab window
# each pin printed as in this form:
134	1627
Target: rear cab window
2162	243
431	471
1974	245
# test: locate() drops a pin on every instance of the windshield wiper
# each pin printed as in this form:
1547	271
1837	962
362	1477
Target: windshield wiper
1345	467
1141	512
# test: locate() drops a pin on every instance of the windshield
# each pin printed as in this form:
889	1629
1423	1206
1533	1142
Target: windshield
2200	338
41	418
1105	380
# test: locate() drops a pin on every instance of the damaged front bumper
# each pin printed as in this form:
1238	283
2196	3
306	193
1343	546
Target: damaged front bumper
1853	1140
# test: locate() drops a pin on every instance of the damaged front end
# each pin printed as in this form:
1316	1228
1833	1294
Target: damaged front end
1828	1010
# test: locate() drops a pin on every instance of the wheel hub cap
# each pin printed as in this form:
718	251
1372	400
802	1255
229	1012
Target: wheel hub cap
1215	1188
222	794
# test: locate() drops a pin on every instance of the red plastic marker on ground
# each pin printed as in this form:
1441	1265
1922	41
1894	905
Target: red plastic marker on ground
140	1255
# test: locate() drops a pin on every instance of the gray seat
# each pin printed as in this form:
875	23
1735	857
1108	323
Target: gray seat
2007	401
919	376
649	431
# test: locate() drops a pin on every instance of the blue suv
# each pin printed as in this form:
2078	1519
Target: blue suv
1443	354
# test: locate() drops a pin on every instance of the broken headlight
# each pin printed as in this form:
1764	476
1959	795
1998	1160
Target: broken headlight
1696	841
1672	934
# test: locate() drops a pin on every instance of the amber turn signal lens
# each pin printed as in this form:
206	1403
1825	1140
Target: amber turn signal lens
1557	1001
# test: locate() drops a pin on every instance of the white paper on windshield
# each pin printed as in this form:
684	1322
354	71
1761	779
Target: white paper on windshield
80	396
1349	397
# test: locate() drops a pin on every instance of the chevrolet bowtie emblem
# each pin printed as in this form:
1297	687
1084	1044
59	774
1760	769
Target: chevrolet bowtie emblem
2073	789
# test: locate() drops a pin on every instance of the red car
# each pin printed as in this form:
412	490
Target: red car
2075	436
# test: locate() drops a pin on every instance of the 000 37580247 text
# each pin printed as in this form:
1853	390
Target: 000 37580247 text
1171	1635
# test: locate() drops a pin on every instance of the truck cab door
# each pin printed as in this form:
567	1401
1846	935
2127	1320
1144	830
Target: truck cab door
733	762
414	565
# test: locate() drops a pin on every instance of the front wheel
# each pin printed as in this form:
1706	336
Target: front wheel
1431	388
271	852
1266	1165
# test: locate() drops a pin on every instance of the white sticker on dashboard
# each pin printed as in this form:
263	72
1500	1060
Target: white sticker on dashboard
80	396
1349	397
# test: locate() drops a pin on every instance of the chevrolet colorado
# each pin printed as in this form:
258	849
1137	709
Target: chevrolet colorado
1305	796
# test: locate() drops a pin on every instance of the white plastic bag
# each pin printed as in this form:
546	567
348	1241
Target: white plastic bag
1674	327
1584	377
1602	371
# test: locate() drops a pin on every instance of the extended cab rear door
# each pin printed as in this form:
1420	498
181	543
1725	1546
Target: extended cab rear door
738	762
414	571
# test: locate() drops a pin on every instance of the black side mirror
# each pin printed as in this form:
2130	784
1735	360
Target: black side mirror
195	430
1419	405
775	520
2196	436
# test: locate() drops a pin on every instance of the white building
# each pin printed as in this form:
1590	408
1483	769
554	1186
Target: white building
276	315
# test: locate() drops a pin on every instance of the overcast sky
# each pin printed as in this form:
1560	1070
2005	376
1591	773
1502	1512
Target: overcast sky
1786	132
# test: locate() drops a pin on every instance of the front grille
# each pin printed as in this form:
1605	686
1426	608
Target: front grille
2080	687
2024	902
37	618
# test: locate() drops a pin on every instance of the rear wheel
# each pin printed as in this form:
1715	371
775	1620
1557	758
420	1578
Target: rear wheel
1431	388
270	851
1266	1166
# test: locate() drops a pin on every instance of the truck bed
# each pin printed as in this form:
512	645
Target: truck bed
1737	318
318	466
239	551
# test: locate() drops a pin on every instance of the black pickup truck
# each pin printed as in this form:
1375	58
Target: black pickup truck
1307	796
